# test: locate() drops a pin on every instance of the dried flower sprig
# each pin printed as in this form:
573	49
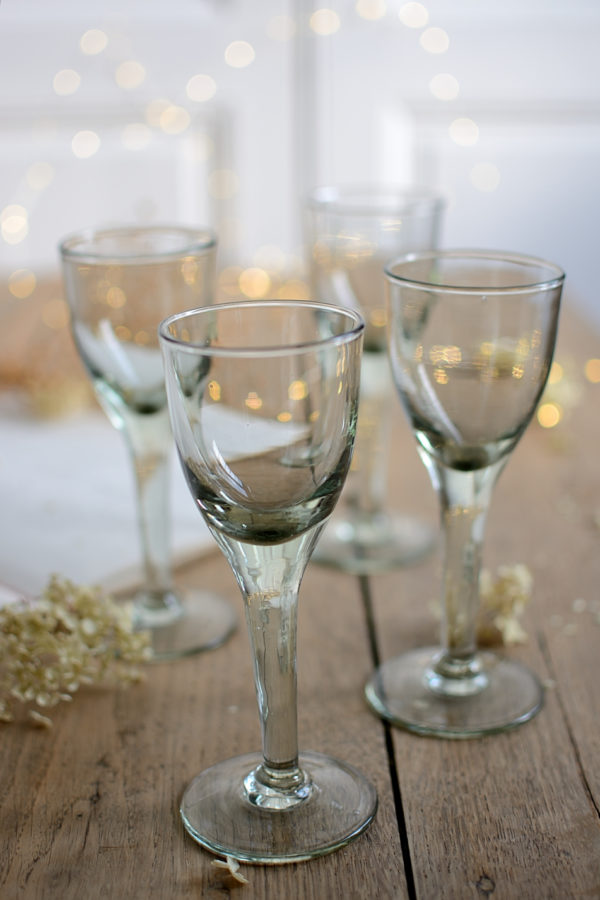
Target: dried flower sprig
69	637
503	600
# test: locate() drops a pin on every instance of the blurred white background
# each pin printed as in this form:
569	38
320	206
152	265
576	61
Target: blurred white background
227	112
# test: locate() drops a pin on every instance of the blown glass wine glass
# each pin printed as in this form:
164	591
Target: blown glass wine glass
120	284
263	399
351	232
471	339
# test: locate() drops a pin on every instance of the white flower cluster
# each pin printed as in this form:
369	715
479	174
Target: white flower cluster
71	636
503	600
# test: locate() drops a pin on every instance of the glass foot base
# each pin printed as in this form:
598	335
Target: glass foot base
379	544
195	621
218	814
400	692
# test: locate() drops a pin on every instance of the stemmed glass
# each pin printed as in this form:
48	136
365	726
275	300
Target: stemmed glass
263	398
120	283
351	232
471	339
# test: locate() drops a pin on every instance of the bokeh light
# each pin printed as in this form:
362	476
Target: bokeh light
371	10
130	75
14	224
201	88
549	414
254	282
85	144
592	371
413	15
22	283
66	82
434	40
464	132
93	41
174	119
116	297
444	86
298	390
253	401
324	22
239	54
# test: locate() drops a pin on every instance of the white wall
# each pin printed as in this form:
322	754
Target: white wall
354	105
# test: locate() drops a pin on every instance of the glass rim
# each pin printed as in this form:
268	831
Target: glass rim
556	275
275	349
375	199
78	245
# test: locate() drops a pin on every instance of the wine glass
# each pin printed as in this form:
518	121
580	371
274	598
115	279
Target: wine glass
120	283
471	339
263	398
351	233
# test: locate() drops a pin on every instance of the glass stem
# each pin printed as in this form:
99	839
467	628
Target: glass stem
365	490
149	443
465	498
269	576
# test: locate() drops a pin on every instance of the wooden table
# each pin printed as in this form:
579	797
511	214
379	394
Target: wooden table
89	809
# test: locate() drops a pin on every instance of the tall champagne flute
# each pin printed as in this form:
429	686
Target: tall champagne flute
471	339
351	233
263	398
120	283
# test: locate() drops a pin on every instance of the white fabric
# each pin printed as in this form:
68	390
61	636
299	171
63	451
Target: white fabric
67	503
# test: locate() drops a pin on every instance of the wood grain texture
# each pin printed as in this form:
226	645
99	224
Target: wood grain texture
517	814
89	809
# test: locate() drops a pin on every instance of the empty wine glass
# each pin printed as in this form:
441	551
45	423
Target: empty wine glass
471	339
120	283
263	398
351	233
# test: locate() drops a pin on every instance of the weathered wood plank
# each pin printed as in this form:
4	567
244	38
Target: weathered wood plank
90	807
518	814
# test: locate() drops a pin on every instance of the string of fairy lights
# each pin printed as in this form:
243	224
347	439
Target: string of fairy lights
272	272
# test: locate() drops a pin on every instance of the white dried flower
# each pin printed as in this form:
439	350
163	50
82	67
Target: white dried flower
503	600
231	867
40	720
70	636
